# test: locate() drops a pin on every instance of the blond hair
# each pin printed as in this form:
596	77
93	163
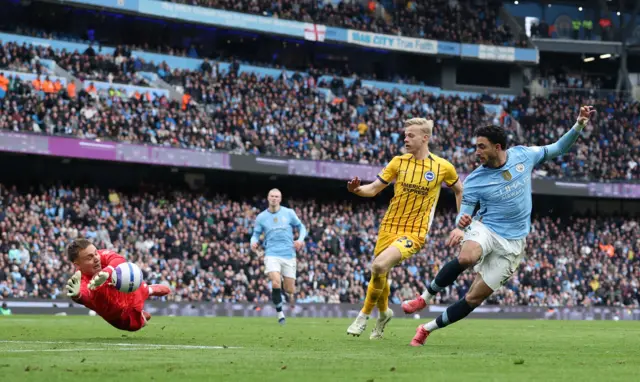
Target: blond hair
427	124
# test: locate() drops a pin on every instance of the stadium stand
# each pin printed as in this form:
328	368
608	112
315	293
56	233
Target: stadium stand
430	19
198	245
261	115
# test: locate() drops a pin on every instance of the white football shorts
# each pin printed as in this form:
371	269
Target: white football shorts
500	257
286	267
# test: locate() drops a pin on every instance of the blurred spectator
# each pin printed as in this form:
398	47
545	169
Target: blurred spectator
289	117
199	246
458	20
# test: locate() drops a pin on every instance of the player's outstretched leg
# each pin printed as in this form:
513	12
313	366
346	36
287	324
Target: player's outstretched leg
379	269
478	292
469	255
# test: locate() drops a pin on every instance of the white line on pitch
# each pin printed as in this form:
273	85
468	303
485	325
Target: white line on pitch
140	345
61	350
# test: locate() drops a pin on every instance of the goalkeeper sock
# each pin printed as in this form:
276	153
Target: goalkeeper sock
276	297
447	275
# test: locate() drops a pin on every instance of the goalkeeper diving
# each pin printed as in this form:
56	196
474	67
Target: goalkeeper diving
89	286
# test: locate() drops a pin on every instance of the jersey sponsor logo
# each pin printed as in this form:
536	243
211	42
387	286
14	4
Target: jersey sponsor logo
513	189
415	189
429	176
520	167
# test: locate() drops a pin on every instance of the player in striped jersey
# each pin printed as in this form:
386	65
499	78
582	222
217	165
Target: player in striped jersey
418	175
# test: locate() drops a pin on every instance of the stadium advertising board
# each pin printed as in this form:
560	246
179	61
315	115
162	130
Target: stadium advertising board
313	32
323	310
111	151
129	5
171	156
399	43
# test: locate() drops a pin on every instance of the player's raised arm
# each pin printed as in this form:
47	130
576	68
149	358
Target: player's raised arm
384	178
565	142
257	231
295	222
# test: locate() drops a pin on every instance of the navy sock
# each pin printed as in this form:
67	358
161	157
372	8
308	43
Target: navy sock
454	313
276	297
447	275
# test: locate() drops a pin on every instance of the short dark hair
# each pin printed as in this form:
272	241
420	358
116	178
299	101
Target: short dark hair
74	248
496	135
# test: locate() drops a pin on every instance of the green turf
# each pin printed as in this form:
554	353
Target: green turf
315	350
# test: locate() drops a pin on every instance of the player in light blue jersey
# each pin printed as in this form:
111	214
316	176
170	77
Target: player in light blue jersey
276	223
494	240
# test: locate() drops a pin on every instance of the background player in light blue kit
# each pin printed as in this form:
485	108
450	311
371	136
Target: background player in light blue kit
277	222
494	240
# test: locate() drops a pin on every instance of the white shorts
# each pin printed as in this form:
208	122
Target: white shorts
286	267
500	256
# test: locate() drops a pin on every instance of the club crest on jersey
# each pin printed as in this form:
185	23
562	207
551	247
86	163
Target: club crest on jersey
506	175
429	176
520	167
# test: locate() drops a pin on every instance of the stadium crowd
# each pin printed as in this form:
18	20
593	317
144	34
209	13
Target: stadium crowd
199	246
288	116
460	20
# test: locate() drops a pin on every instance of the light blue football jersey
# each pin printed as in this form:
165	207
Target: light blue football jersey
504	193
278	230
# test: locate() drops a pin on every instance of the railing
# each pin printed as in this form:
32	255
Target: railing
584	92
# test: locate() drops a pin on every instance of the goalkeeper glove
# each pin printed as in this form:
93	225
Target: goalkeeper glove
101	278
73	285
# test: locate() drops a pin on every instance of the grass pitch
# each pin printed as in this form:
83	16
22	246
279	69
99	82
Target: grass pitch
82	348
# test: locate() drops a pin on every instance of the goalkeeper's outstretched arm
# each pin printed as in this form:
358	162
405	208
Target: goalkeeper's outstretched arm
75	291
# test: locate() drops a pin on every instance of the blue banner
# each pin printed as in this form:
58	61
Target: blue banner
448	48
128	5
389	42
315	32
54	44
221	18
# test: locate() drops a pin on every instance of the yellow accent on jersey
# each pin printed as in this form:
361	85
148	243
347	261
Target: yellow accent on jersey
416	192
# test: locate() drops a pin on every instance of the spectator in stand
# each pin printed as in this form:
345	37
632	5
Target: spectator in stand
460	20
198	245
284	116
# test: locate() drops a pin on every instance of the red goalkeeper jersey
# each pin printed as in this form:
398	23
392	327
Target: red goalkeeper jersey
108	302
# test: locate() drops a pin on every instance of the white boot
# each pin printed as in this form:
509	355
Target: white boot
381	323
359	325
